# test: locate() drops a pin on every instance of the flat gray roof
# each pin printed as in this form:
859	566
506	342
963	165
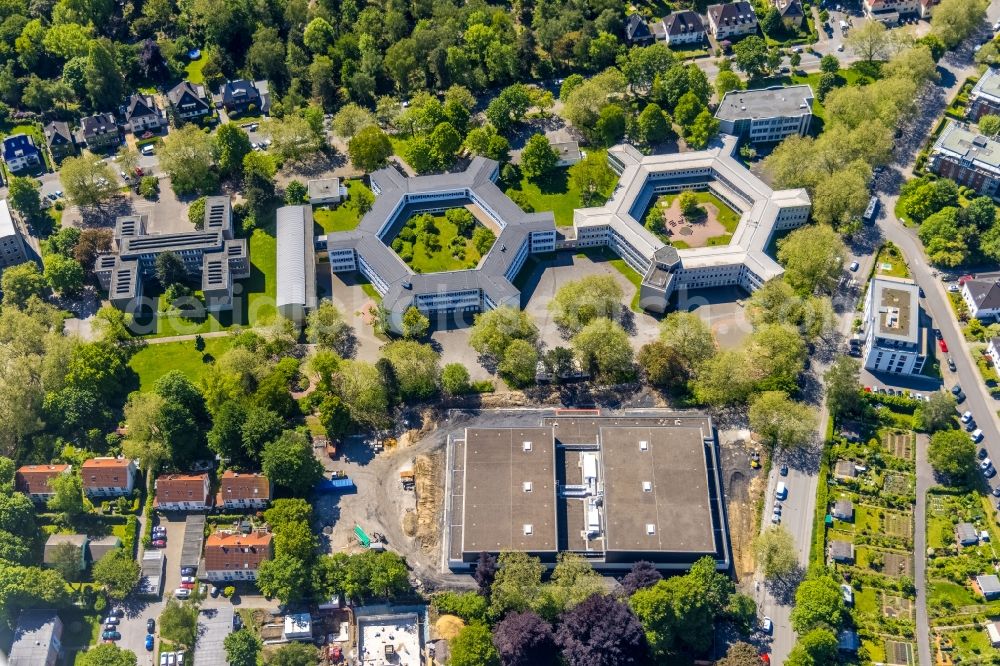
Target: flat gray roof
36	631
194	540
776	101
497	505
988	85
960	143
676	505
897	309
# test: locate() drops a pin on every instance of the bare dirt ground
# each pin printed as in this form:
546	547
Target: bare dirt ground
744	486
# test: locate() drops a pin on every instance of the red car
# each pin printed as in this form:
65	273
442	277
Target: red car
159	543
965	278
942	346
187	586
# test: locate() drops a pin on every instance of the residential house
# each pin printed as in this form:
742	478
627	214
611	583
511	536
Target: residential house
232	556
683	27
189	101
35	481
324	191
52	544
99	133
841	551
242	97
993	633
37	639
12	251
243	491
792	14
966	534
985	95
894	340
108	477
989	586
843	509
982	297
766	115
637	30
143	115
890	11
967	157
183	492
567	152
732	19
20	153
59	139
98	548
927	8
993	350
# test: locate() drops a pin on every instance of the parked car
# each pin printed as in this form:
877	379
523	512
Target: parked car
956	389
943	346
109	627
990	472
215	591
150	625
983	453
111	635
995	491
966	417
118	612
159	543
854	266
111	619
951	364
986	463
182	593
976	436
781	491
848	593
149	642
784	470
187	579
187	571
766	625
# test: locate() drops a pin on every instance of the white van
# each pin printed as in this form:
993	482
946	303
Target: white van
976	435
147	150
781	491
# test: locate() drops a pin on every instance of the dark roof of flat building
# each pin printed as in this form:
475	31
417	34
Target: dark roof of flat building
657	495
499	508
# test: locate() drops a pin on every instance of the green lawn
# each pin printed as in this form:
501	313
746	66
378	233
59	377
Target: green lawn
193	70
425	260
343	217
154	361
971	644
942	590
890	255
557	194
262	285
868	600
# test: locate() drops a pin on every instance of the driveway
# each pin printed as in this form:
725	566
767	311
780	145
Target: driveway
175	541
214	624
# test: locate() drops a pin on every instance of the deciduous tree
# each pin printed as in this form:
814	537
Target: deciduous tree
289	463
782	422
525	639
118	572
602	347
818	602
106	654
953	455
593	177
369	149
187	157
774	551
87	180
179	623
538	158
243	648
813	258
19	283
579	302
473	646
601	631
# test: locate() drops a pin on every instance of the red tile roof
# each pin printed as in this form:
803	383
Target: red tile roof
35	478
182	488
240	486
232	552
105	473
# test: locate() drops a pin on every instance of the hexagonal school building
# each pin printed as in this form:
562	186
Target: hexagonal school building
616	225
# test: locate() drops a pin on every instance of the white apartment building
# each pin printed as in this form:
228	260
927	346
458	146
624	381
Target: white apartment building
894	341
